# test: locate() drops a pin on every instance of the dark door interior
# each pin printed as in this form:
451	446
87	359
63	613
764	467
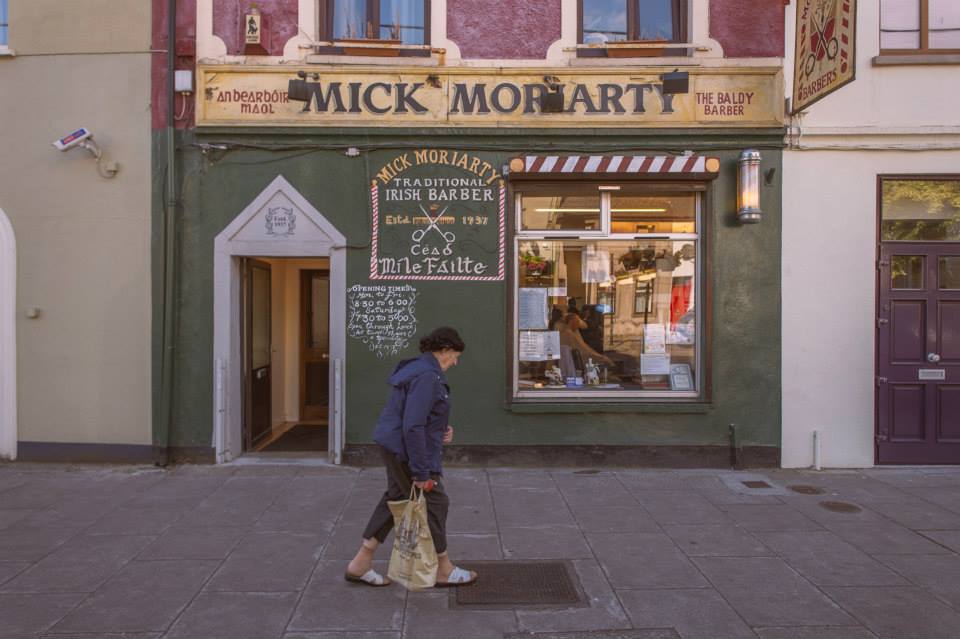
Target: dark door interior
314	344
257	353
918	353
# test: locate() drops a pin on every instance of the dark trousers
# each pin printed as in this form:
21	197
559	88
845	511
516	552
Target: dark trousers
399	481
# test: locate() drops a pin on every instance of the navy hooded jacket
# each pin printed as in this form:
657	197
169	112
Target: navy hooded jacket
415	418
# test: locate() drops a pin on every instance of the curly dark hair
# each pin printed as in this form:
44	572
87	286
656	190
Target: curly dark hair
442	338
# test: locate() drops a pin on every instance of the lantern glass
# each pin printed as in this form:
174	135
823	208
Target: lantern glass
748	195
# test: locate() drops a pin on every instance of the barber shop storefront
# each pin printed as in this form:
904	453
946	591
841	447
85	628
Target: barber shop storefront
606	241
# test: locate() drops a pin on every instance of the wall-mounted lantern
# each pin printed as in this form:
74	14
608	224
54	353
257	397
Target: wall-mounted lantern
748	195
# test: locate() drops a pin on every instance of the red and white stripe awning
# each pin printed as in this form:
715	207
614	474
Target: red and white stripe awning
556	165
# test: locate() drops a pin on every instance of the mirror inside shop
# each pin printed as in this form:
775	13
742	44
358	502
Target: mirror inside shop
607	315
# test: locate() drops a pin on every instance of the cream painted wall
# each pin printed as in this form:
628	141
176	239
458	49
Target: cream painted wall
889	120
79	26
285	333
83	241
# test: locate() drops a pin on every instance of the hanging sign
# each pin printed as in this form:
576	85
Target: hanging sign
363	96
826	43
438	214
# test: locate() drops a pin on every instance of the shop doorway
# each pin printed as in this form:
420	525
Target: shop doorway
918	353
273	377
286	338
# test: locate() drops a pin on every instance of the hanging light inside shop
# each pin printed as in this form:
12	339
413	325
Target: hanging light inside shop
748	195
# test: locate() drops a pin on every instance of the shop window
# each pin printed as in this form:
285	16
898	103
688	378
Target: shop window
398	21
602	310
919	26
4	24
920	210
605	22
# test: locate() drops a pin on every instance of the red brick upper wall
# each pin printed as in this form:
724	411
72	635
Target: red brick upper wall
278	23
512	29
748	28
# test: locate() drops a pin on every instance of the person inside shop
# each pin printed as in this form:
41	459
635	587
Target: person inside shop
570	336
411	432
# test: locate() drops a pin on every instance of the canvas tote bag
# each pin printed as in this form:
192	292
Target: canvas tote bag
413	562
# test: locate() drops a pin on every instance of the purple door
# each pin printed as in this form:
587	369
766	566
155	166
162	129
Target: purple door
918	353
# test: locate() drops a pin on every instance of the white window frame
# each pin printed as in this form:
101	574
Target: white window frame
5	46
520	235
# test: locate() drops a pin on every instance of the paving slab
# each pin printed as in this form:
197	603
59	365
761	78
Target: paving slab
604	611
919	514
235	615
629	518
340	634
694	613
462	518
428	617
644	560
899	613
482	546
633	633
10	569
193	543
675	507
939	574
766	517
544	542
331	604
136	521
767	592
947	538
716	540
820	632
269	562
145	596
520	508
29	615
23	544
887	539
827	560
8	517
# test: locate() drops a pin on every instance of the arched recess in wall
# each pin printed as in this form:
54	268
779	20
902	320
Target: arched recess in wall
8	339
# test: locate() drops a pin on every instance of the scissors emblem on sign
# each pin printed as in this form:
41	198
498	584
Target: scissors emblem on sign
448	236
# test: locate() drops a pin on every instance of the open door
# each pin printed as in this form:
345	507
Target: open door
256	352
314	345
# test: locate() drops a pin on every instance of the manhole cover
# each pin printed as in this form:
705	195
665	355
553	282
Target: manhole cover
590	471
517	584
806	490
839	507
756	484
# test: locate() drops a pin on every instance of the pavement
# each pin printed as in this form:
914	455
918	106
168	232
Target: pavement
258	551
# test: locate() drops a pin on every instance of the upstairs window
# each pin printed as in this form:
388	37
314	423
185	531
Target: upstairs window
3	24
403	21
609	21
919	26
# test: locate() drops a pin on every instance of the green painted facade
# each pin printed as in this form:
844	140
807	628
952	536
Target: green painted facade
742	271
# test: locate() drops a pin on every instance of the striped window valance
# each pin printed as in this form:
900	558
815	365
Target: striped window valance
559	165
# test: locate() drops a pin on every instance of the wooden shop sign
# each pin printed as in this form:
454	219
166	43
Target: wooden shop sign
258	96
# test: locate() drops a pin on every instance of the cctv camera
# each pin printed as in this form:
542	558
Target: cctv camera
73	139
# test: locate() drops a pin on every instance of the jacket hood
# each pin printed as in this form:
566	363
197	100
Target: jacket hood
409	368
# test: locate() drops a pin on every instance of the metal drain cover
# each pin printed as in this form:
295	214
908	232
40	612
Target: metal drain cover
840	507
806	490
519	584
756	484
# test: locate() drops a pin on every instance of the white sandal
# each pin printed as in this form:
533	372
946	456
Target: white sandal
458	577
369	578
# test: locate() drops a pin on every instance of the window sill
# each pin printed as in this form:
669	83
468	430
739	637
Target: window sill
331	57
890	60
520	406
6	53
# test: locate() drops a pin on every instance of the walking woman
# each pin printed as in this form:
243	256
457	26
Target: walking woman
411	432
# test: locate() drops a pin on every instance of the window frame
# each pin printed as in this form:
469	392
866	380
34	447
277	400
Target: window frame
680	20
702	299
5	44
325	19
907	177
924	48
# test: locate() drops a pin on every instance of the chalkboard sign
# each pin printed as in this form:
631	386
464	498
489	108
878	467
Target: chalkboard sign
438	215
382	317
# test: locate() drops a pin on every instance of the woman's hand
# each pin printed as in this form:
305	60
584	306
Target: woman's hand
448	435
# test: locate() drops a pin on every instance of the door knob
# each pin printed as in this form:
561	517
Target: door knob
933	358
